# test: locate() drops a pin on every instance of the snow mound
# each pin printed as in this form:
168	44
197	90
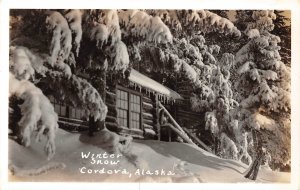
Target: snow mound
186	162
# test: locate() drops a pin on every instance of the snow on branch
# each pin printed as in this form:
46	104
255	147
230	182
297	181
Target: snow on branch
24	64
259	121
170	17
226	62
80	93
21	64
282	101
228	147
264	22
105	27
246	67
120	57
265	93
253	33
37	113
92	102
111	20
211	123
140	24
74	19
100	34
202	20
61	43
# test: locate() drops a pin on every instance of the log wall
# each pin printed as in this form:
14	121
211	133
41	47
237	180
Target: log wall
147	129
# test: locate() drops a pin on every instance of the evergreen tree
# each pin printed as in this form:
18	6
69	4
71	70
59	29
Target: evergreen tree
191	58
264	85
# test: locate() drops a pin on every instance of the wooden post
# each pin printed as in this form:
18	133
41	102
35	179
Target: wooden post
171	118
182	135
158	127
170	134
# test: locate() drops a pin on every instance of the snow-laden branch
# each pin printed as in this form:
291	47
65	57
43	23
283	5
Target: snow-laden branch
37	113
259	121
74	17
105	26
80	93
24	63
61	43
120	57
264	21
197	20
141	24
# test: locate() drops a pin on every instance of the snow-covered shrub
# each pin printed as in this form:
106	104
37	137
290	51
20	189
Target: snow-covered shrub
243	144
211	123
37	113
228	147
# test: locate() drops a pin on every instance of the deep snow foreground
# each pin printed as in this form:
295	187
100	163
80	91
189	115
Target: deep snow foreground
164	162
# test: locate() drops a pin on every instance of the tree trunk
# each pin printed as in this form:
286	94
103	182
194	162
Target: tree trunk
100	85
254	167
217	146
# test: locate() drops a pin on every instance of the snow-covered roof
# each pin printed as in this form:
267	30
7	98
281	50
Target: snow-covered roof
139	80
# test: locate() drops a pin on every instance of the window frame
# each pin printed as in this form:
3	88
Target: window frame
68	109
130	91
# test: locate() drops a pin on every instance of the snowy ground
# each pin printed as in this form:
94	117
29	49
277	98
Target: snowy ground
184	163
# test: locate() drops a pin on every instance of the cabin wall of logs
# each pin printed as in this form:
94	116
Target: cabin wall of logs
149	121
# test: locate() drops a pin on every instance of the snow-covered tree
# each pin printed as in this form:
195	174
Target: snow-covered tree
71	52
189	56
264	89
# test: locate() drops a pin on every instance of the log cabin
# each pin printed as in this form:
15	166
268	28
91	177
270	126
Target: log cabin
142	108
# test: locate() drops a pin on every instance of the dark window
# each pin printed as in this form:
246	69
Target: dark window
59	108
135	111
128	109
122	108
66	111
75	113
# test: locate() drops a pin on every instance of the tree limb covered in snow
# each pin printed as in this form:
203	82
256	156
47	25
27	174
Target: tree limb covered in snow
37	113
